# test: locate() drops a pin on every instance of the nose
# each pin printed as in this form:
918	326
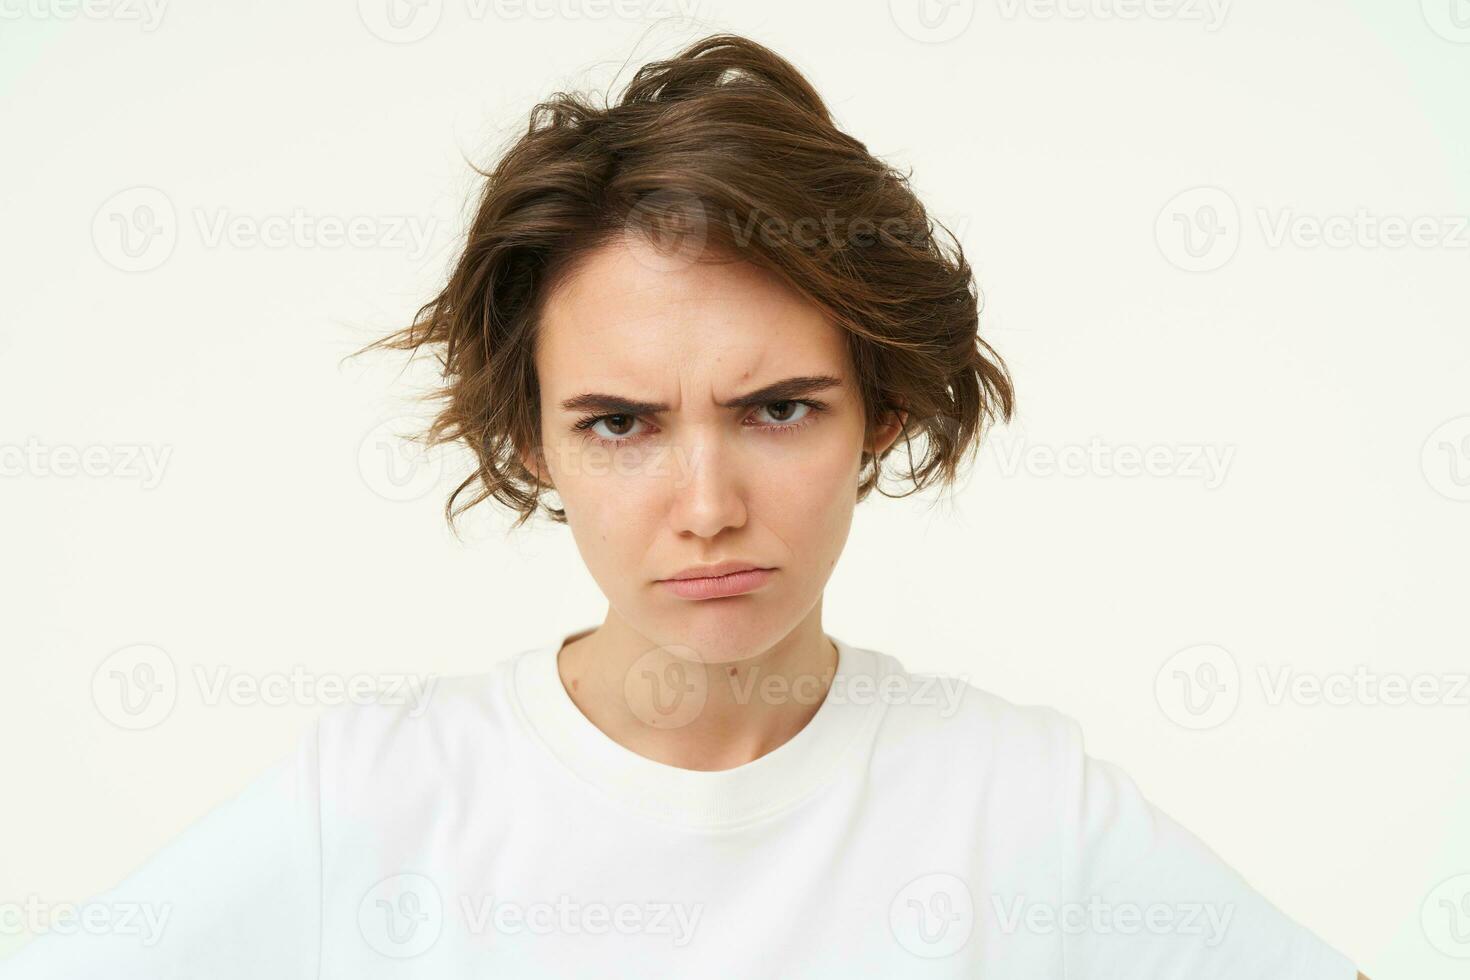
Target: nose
708	492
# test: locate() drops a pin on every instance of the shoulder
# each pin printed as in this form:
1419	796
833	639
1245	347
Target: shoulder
952	713
416	727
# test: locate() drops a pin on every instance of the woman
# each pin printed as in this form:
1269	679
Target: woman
703	318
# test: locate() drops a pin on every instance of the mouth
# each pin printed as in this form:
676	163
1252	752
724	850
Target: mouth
738	580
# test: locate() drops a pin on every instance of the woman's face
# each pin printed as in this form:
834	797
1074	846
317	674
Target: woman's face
682	479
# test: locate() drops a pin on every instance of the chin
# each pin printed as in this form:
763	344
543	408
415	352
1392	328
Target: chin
731	633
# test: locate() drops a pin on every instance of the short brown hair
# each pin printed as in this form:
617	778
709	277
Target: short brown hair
726	146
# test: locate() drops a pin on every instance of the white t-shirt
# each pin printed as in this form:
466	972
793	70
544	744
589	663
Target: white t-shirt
915	827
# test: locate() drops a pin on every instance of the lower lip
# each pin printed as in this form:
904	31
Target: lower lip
736	583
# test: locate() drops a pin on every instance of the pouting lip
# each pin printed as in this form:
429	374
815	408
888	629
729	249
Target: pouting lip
711	571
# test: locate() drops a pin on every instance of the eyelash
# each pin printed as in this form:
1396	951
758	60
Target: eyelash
585	424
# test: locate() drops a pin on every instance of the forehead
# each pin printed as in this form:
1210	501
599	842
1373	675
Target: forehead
625	314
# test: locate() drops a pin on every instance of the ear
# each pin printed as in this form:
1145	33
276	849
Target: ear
884	435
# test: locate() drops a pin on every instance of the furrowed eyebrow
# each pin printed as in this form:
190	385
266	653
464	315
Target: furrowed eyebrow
787	389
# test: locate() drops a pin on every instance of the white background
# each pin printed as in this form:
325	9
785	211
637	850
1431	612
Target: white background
1072	149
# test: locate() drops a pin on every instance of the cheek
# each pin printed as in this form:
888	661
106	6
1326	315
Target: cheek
611	518
810	497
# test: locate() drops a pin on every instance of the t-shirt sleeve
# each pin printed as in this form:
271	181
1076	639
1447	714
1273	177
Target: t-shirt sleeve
236	895
1145	899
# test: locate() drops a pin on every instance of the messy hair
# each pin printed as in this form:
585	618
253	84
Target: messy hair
724	149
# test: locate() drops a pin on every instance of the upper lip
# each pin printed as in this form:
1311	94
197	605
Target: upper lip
710	571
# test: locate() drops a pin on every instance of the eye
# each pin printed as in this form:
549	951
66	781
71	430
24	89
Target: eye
801	409
790	415
618	426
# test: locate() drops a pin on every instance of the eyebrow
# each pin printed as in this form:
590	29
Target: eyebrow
787	389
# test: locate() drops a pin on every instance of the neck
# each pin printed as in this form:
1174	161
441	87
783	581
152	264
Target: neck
668	704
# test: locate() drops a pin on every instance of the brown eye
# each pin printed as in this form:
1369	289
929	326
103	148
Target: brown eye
781	416
781	413
616	429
